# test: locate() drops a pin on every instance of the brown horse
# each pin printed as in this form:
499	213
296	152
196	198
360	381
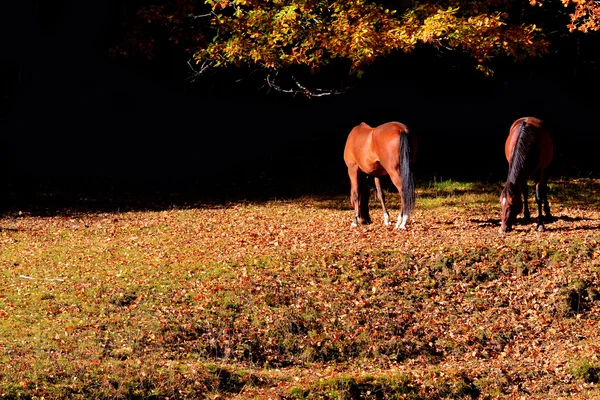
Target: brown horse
388	149
528	150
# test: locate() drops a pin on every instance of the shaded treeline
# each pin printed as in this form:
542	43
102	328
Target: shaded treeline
77	124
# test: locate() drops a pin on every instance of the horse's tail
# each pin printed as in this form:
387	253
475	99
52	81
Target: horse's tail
406	175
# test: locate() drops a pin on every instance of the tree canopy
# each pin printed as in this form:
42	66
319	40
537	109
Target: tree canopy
285	36
585	14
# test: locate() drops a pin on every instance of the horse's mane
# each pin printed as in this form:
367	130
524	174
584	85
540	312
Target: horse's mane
520	153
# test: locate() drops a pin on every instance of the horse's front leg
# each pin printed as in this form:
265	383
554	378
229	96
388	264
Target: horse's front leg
354	194
381	197
539	198
526	213
359	197
363	193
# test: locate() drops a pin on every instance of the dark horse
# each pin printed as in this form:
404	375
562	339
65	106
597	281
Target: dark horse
388	149
528	150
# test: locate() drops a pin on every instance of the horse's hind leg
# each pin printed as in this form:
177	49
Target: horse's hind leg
402	218
381	197
544	190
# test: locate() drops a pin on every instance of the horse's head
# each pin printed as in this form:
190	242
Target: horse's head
512	205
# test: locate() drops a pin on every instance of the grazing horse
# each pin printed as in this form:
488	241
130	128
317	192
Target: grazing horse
388	149
528	150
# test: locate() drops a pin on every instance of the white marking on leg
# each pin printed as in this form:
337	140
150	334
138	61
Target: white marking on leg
386	219
540	228
401	224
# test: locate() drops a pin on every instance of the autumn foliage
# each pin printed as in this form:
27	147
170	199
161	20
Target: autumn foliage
275	36
585	15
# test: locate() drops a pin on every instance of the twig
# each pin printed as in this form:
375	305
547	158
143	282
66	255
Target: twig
44	279
195	72
203	15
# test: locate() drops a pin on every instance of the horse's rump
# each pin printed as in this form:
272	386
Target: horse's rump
375	150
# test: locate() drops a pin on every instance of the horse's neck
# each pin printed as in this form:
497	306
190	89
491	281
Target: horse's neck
517	180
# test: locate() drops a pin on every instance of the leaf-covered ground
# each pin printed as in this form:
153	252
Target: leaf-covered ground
282	299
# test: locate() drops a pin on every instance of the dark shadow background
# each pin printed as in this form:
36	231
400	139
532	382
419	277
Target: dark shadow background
81	130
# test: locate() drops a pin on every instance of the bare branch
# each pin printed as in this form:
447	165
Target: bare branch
203	15
301	89
197	72
254	71
318	92
270	80
273	85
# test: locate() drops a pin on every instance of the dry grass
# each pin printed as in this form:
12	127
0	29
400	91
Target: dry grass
281	299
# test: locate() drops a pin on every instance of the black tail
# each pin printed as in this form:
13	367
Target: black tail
406	175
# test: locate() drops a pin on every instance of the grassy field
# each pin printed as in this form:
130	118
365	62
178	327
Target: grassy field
282	299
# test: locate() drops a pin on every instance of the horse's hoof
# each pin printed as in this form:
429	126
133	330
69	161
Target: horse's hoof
541	228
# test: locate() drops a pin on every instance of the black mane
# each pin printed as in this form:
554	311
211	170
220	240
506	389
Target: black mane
516	169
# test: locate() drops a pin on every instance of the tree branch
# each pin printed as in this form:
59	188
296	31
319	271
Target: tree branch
197	72
300	89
